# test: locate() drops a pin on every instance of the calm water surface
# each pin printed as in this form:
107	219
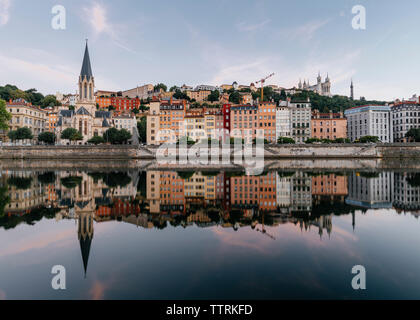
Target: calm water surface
213	235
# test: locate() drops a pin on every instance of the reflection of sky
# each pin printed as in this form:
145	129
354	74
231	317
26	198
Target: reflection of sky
176	263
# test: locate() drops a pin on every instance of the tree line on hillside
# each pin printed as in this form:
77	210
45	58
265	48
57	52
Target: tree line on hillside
11	92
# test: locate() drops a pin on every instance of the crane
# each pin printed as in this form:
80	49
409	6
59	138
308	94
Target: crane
263	231
262	81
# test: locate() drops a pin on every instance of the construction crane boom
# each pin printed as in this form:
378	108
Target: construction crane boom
262	81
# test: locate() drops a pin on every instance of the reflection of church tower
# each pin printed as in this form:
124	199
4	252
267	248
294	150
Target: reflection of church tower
85	233
86	84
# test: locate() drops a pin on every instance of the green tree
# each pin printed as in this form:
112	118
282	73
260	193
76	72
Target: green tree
71	134
285	140
235	97
21	134
160	86
47	137
369	139
214	96
96	140
115	136
180	95
414	134
49	101
142	129
5	116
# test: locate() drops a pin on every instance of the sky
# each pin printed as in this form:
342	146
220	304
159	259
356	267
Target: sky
193	42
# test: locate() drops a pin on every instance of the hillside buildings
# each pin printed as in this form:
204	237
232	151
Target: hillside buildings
370	121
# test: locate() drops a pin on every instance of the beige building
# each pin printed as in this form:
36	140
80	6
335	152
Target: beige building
26	115
142	92
199	96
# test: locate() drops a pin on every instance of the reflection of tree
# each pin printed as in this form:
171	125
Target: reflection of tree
71	182
285	174
20	183
327	173
117	179
47	178
142	184
186	174
369	175
112	179
4	199
414	180
30	218
325	207
210	173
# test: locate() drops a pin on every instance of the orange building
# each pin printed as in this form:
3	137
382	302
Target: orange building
330	185
328	125
257	191
119	103
244	121
52	117
267	120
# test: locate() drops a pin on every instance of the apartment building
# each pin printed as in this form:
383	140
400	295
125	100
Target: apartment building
328	125
404	116
165	122
26	115
300	118
370	121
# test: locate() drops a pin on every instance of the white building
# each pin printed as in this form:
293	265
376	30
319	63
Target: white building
283	191
405	116
370	190
283	123
204	87
369	121
300	120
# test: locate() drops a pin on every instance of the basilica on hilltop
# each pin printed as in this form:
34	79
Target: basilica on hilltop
322	88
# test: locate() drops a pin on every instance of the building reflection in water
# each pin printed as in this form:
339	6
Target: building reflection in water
154	199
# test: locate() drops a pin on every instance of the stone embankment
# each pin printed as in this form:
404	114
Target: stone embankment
272	152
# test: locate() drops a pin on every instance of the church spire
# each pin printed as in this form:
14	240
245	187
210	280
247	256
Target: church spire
86	67
352	90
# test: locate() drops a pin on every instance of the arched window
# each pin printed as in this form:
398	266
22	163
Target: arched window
85	91
80	91
90	92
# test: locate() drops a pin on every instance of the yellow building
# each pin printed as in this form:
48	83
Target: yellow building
26	115
195	127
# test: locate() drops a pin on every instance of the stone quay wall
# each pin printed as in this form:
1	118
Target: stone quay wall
272	152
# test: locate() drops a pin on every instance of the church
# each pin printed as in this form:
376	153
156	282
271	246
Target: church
322	88
86	118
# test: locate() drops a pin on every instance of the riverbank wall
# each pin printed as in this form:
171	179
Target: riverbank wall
271	152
